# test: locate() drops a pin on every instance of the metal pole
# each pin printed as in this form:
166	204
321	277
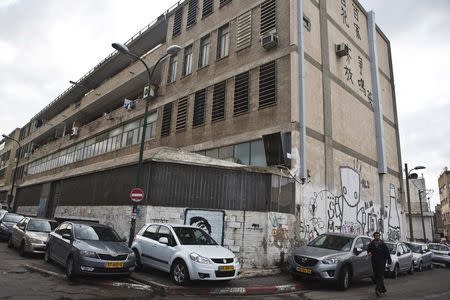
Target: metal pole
421	215
141	150
411	234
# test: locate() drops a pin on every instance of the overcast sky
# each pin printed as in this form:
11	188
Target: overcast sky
46	43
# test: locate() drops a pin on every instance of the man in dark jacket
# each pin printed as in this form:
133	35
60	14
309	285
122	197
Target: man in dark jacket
379	252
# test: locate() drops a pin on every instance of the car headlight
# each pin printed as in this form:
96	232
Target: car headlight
200	259
88	254
331	261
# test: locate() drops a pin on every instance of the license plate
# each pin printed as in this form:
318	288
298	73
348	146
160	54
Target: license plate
114	264
304	270
226	268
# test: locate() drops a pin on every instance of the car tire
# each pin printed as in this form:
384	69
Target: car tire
138	260
70	268
10	242
344	278
179	272
420	269
395	272
411	269
22	249
47	257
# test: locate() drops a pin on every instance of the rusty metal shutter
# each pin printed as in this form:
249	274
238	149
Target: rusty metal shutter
167	119
208	8
182	114
241	93
177	22
267	85
192	13
199	108
244	31
219	96
268	16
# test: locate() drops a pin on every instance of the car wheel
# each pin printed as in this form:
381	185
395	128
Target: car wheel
420	267
22	248
179	272
411	269
138	260
395	272
47	257
70	268
10	243
344	278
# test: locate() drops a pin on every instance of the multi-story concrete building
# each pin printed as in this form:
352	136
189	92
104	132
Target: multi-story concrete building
305	84
444	195
438	225
8	149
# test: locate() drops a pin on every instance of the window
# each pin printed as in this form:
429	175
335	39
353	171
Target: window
208	8
172	69
192	13
267	85
204	52
187	63
257	154
151	126
199	108
306	23
241	93
182	114
167	118
177	22
244	31
219	95
268	16
150	232
224	2
165	232
223	41
242	153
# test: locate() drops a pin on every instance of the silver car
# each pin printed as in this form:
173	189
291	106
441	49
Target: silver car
89	248
337	257
441	253
30	235
422	256
402	259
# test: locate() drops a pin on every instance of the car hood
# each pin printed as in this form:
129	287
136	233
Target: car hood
319	253
42	236
209	251
103	247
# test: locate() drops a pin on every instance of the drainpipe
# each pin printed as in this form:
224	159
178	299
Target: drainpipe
381	155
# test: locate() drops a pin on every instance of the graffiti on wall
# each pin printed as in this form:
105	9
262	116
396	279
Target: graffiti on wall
279	236
394	219
211	221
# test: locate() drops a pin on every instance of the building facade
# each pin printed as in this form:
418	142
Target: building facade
444	196
8	150
317	75
438	225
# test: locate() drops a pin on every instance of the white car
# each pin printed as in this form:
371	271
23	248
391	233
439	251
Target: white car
186	252
402	259
441	253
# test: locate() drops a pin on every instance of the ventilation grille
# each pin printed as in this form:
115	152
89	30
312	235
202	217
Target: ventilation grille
167	118
218	109
177	22
199	108
268	16
182	114
244	31
223	2
208	8
192	13
241	93
267	85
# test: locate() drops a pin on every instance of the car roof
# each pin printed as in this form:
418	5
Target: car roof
42	219
171	225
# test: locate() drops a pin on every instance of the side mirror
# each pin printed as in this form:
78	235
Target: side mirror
66	236
398	253
163	240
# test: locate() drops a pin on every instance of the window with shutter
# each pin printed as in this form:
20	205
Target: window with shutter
208	8
166	120
267	85
192	13
268	16
177	22
182	114
199	108
224	2
241	93
219	95
244	31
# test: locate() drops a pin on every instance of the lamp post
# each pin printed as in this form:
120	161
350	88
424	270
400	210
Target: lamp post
172	50
11	193
411	234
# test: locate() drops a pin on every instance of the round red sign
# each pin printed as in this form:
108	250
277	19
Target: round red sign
136	195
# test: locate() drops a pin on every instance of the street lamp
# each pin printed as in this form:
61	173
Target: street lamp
11	193
172	50
407	173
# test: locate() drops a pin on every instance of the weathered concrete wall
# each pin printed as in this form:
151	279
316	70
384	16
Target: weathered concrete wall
27	210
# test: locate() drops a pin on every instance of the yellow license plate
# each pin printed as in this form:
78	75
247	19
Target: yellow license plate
226	268
304	270
114	264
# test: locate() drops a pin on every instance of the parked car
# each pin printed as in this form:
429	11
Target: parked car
402	259
441	253
186	252
30	235
89	248
2	213
6	223
422	256
341	258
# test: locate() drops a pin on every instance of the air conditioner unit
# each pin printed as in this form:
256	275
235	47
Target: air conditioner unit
269	40
74	131
129	104
342	49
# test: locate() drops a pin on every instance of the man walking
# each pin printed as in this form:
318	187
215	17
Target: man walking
379	252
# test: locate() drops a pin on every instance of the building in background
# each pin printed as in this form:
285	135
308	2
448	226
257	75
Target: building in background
8	150
305	85
444	196
438	224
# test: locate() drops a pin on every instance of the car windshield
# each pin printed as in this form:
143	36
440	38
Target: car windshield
12	218
41	225
391	247
333	242
193	236
95	233
415	248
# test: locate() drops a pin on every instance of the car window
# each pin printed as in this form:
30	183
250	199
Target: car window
334	242
432	247
359	243
41	225
151	231
366	242
12	218
193	236
95	233
165	232
443	248
399	249
405	249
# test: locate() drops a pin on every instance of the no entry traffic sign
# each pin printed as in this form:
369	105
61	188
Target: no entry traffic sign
136	195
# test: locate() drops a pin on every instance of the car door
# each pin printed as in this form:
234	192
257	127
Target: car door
400	257
369	270
359	259
163	252
148	245
408	256
426	255
18	231
66	243
55	243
